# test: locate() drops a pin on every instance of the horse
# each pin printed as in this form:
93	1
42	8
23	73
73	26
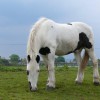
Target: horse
48	38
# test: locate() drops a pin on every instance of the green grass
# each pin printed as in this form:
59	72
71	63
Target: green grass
14	85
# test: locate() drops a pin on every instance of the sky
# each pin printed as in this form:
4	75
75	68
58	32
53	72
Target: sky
18	16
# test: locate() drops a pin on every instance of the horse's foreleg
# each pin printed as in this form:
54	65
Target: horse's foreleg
51	72
95	66
45	59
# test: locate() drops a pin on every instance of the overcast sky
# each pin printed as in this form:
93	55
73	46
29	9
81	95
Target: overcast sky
17	17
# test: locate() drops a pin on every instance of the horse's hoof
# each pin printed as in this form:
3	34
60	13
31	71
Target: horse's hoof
96	83
49	88
77	82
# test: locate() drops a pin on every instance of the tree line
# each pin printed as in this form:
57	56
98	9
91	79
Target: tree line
15	60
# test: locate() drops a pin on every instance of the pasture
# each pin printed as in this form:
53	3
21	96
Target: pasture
14	85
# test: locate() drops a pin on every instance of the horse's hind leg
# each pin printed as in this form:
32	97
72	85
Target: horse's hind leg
79	77
95	66
81	65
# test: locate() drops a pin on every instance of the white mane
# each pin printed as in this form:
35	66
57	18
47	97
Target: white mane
32	34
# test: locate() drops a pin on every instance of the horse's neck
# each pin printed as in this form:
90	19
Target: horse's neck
33	48
36	46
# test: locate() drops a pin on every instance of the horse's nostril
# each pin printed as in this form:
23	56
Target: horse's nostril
38	70
30	86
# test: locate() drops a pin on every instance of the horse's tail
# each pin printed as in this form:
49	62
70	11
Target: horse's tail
85	59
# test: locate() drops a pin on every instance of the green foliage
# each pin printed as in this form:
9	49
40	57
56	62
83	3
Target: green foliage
62	68
14	59
66	67
14	86
60	59
4	62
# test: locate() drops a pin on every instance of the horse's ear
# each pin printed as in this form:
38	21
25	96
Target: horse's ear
28	58
38	58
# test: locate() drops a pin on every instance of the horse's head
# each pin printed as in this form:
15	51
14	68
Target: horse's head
33	71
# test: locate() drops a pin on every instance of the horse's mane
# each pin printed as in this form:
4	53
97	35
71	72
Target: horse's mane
35	27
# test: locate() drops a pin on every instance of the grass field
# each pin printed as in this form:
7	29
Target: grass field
14	85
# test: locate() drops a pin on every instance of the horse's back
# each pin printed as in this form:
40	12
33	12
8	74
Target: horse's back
66	32
82	27
66	28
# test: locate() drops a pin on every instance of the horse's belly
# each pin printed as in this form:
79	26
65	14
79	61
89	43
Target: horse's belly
64	49
60	52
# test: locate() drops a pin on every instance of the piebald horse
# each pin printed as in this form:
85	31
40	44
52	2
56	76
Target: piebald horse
48	38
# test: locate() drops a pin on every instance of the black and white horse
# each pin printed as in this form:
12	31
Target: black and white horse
49	38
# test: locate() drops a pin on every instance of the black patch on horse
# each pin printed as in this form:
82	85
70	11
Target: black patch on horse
69	23
83	42
44	51
69	52
38	58
27	72
28	58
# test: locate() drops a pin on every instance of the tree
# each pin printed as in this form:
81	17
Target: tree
4	62
60	59
14	59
